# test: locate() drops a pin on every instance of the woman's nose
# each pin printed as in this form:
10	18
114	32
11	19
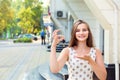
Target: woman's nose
81	32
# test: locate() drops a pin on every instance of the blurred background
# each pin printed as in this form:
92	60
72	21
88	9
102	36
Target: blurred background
21	21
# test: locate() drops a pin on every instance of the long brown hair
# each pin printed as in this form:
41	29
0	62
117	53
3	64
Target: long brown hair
73	40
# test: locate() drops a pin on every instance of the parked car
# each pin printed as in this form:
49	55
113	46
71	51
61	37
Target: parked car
59	46
30	36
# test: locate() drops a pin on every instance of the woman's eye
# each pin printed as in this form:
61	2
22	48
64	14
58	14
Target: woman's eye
77	30
84	30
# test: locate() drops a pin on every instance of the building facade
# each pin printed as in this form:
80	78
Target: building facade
103	16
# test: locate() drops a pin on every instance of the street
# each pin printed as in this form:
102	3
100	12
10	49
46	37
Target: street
16	59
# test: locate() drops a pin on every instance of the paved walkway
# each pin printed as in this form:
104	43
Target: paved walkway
16	60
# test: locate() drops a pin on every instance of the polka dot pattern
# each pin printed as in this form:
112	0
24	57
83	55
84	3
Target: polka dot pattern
79	69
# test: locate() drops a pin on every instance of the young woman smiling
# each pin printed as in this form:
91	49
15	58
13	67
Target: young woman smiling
81	56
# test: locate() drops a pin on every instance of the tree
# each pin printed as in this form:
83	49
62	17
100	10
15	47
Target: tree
38	11
6	14
30	16
26	22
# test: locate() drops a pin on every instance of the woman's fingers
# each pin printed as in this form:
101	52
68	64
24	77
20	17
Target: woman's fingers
55	32
56	37
85	57
60	37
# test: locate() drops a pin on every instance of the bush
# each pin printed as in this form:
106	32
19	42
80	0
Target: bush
23	40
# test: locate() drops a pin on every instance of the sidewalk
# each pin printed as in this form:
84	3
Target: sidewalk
16	61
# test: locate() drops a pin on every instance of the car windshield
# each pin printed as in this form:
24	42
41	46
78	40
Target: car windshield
29	35
26	36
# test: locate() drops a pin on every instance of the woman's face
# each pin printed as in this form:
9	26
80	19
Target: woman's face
82	32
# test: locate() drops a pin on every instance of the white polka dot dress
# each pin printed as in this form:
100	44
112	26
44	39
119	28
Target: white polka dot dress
79	69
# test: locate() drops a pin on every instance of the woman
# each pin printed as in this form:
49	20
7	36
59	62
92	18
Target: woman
81	56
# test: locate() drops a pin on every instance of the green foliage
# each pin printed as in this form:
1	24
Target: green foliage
6	14
20	17
38	11
23	40
26	22
30	16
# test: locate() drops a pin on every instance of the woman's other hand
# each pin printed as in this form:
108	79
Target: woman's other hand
84	57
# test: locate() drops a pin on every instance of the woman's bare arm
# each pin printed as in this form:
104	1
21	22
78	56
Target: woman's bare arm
57	64
98	66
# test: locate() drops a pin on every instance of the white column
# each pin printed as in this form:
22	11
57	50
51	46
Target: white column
107	47
115	33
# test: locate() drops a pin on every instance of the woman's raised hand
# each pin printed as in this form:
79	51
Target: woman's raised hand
56	37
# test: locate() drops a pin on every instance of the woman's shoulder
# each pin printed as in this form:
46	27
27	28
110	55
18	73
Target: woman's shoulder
66	49
98	51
